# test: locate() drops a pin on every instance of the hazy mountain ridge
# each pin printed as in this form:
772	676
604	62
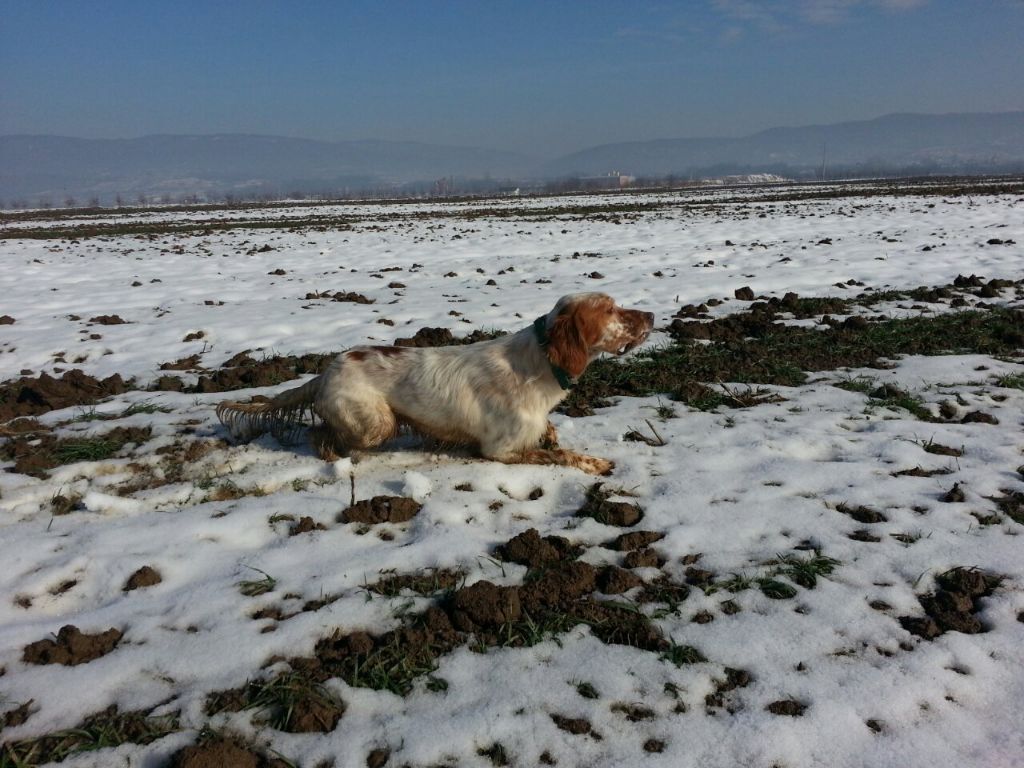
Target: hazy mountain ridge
891	141
56	168
32	166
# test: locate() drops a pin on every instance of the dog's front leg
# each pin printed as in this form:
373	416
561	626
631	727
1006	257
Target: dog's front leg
592	465
550	439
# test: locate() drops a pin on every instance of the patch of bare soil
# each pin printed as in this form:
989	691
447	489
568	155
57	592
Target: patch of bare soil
952	607
381	509
71	647
720	698
290	703
557	594
108	728
429	582
17	716
242	372
32	396
1011	504
752	347
34	454
862	514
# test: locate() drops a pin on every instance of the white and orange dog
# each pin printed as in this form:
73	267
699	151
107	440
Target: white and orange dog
493	395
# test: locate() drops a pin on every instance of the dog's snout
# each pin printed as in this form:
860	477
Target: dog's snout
649	318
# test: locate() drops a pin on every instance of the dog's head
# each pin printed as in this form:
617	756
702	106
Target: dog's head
582	325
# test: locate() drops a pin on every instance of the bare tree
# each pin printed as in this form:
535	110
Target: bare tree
69	202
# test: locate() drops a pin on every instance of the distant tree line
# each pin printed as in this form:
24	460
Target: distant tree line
454	187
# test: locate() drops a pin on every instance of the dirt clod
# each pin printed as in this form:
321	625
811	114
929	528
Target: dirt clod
862	514
788	707
219	753
617	513
305	525
529	549
381	509
573	725
636	540
484	605
643	558
746	293
954	494
951	607
614	581
144	577
71	647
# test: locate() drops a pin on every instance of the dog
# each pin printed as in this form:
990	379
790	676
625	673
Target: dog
493	395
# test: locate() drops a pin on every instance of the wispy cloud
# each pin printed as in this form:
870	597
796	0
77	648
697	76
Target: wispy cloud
774	17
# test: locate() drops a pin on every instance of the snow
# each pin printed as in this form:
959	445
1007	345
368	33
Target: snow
737	486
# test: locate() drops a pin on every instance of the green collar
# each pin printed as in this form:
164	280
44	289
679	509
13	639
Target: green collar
540	330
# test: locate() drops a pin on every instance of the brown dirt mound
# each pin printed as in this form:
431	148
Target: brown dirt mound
636	540
618	513
108	320
222	753
144	577
862	514
528	548
71	647
34	396
613	580
952	606
485	605
381	509
442	337
243	372
306	524
788	707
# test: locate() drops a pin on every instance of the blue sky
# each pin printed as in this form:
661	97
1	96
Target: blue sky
532	76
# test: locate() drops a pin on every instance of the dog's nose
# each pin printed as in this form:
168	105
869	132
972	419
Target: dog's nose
649	318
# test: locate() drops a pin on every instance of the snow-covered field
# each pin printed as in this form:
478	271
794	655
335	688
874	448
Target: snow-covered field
735	492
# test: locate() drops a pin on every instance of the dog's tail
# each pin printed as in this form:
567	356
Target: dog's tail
283	416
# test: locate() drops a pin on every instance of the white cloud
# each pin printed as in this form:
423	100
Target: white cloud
775	16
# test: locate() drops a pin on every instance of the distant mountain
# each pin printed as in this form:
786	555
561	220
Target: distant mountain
34	169
930	143
58	167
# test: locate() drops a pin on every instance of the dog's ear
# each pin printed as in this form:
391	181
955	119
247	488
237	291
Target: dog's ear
569	340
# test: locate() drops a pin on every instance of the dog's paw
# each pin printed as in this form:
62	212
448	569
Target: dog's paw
595	466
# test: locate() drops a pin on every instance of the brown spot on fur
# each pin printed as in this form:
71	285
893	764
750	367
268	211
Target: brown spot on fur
389	351
361	353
